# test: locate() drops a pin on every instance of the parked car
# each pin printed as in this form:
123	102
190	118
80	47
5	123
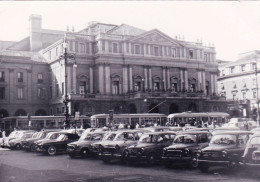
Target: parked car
82	146
251	156
156	128
114	149
149	147
50	136
29	144
242	123
59	145
224	129
185	148
225	149
17	142
13	135
255	130
78	131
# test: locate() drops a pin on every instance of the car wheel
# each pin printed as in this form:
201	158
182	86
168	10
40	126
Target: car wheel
51	150
203	167
84	153
194	161
233	163
33	147
18	146
151	159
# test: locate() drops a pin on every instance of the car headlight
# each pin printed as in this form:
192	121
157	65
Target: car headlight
117	147
224	154
141	151
186	151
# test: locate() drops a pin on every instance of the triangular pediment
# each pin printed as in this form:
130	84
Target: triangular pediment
155	37
126	30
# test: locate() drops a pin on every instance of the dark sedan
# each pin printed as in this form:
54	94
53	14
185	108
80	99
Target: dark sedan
59	145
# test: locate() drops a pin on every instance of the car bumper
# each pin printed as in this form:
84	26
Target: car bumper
213	163
41	150
109	156
249	164
176	159
74	152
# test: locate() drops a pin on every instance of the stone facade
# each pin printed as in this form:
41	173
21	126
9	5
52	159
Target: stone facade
116	67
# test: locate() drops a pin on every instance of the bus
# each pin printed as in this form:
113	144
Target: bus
144	119
8	124
181	119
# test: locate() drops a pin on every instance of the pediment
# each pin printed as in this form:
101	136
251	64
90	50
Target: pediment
155	37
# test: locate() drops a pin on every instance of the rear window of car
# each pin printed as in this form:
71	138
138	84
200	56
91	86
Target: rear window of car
185	139
223	139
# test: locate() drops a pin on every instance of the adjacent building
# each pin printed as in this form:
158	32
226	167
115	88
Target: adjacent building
117	67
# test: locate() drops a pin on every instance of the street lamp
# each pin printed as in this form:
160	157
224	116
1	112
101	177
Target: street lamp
257	99
66	100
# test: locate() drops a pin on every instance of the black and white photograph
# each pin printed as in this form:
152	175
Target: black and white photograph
132	91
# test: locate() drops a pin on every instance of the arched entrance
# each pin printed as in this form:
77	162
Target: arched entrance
132	109
193	107
40	112
174	108
3	113
153	108
20	112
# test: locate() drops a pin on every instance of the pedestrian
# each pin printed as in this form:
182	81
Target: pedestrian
137	125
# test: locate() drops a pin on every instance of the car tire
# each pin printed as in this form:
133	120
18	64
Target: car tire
33	147
233	164
194	161
18	146
151	159
203	168
84	153
51	150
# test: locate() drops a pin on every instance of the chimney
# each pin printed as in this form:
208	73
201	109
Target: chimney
35	22
35	26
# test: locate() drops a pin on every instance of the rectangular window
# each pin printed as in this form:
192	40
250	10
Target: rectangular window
103	45
156	51
190	54
20	93
115	47
243	67
232	69
50	92
205	57
223	72
173	52
41	93
82	87
254	95
49	55
40	78
57	51
137	49
70	45
82	48
254	67
115	87
2	92
20	76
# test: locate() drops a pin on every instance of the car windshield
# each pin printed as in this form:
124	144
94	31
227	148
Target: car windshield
52	135
223	139
147	139
85	136
12	134
185	139
110	136
35	135
62	137
255	141
125	136
27	135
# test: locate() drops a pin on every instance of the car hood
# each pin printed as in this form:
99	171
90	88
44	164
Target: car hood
51	142
219	147
80	143
113	143
31	139
180	146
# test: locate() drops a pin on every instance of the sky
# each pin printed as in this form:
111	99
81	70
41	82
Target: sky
233	27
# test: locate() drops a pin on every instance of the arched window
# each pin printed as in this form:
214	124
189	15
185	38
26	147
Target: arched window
174	84
115	79
192	84
207	87
83	84
156	83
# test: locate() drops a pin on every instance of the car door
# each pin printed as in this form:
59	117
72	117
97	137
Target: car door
203	140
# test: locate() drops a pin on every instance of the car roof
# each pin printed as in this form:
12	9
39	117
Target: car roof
236	132
193	132
161	132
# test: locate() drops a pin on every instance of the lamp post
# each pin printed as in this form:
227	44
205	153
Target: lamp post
66	100
257	113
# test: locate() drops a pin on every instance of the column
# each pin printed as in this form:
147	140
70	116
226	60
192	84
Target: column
212	83
10	89
29	87
215	82
74	87
145	78
101	79
182	79
125	80
168	77
130	78
91	83
186	79
203	82
107	77
199	80
70	79
150	77
164	78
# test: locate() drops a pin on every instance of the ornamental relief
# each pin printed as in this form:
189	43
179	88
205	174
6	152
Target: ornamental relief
154	38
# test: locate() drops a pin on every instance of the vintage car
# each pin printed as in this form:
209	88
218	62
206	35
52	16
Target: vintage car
255	130
59	145
29	144
17	142
50	136
78	131
13	135
149	147
251	156
225	149
114	149
81	147
95	147
156	128
185	148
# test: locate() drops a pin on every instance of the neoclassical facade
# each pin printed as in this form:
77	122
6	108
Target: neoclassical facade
117	67
238	82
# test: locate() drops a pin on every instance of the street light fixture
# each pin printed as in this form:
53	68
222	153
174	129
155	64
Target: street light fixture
66	100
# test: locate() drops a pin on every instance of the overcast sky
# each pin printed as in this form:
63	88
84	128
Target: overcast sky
234	27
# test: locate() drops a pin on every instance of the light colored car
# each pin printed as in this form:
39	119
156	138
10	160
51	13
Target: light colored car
242	123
